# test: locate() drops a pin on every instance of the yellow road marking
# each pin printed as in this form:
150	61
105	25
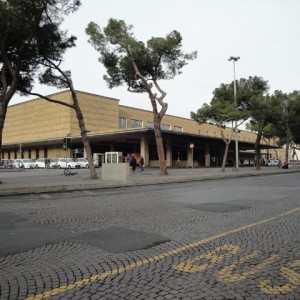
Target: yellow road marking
293	277
143	262
226	274
213	258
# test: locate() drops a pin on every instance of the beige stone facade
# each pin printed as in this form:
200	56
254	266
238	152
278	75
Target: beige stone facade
36	128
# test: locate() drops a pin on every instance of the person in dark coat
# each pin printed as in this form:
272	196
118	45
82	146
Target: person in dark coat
133	163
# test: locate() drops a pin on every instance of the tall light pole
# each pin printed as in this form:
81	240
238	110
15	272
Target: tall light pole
234	59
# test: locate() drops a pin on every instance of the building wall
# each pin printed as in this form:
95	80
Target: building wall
39	119
188	125
100	113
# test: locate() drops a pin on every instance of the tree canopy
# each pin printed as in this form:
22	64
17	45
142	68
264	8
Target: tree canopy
250	104
161	58
30	34
140	66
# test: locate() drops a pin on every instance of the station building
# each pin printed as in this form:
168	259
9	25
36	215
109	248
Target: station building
37	128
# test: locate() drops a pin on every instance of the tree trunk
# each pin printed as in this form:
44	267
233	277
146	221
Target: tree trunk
158	137
3	110
257	156
84	136
1	130
160	146
286	156
225	155
227	142
257	147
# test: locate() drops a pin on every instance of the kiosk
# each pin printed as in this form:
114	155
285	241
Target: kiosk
113	168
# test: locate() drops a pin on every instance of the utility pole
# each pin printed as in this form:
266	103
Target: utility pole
234	59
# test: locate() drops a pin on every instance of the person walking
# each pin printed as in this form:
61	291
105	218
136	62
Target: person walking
133	163
142	163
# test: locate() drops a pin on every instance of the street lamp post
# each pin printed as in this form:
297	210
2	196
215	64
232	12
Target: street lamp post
234	59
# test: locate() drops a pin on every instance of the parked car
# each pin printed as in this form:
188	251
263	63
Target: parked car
67	163
53	162
25	163
83	162
272	163
40	162
6	164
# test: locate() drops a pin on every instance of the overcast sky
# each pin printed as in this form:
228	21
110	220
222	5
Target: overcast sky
264	33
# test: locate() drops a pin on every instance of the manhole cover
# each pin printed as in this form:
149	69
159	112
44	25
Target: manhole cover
219	207
118	239
19	234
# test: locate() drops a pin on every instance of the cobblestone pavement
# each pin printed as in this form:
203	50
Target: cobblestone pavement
51	180
220	239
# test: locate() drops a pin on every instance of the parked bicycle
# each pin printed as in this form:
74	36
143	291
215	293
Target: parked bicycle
69	172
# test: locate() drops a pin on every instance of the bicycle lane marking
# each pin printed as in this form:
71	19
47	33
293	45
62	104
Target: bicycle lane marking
149	260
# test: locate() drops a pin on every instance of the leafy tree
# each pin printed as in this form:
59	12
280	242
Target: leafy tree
286	122
262	112
295	121
29	34
250	103
139	66
31	42
252	97
221	110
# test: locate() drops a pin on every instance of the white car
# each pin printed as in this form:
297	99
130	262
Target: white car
272	163
40	162
67	163
53	162
25	163
83	162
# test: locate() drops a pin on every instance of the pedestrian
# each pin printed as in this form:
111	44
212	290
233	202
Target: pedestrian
142	163
133	163
46	163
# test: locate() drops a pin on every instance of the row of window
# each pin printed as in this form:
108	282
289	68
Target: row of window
20	153
139	123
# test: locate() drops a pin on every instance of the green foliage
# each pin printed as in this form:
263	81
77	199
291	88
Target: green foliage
160	58
30	35
223	108
286	121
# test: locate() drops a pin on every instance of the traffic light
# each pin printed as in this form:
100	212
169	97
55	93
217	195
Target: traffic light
67	143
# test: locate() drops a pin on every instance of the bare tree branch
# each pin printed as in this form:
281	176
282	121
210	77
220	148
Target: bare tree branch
50	100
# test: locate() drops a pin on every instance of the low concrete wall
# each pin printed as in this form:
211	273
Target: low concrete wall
115	172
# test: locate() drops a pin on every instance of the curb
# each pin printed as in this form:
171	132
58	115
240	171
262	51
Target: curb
79	186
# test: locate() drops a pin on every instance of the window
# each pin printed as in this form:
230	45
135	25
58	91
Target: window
150	124
122	122
178	129
136	123
165	127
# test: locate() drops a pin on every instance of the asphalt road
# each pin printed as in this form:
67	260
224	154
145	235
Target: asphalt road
236	238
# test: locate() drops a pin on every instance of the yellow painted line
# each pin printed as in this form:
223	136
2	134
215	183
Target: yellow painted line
149	260
292	276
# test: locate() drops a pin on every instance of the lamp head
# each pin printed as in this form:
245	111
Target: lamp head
235	58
